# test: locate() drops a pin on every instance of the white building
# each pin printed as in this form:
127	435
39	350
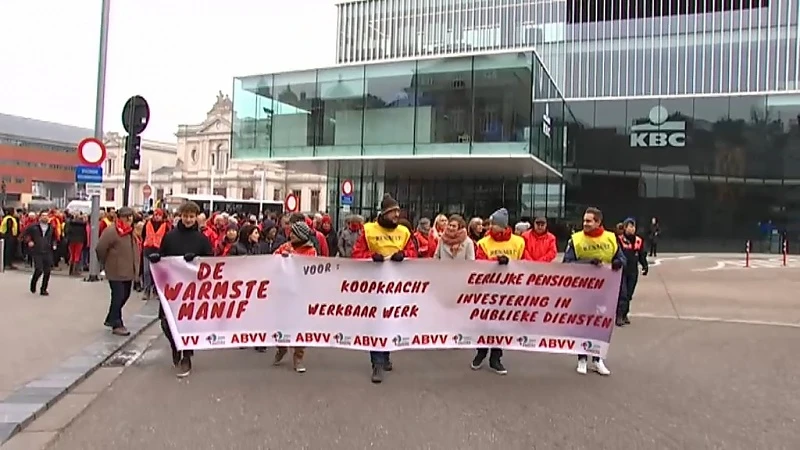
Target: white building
200	163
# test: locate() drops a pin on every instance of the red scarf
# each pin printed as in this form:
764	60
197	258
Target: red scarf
596	232
501	236
123	229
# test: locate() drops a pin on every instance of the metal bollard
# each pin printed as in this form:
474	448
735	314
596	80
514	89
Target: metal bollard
785	251
2	255
747	254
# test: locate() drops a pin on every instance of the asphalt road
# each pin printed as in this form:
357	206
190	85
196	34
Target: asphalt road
678	382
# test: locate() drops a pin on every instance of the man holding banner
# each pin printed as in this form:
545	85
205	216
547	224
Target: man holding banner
594	245
381	240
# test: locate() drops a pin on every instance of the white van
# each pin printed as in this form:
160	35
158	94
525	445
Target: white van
85	206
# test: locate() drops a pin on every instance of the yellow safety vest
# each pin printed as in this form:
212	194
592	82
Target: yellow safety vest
9	225
512	248
384	241
603	247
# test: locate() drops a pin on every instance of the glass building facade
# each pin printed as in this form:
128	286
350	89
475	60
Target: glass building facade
595	48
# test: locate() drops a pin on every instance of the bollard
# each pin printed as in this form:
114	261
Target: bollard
785	251
747	254
2	255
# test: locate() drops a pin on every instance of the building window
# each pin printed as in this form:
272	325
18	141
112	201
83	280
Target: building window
213	161
109	169
315	200
298	193
191	191
109	194
276	195
248	193
221	191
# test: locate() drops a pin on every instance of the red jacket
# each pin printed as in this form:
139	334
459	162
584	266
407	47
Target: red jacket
423	245
288	249
361	248
539	247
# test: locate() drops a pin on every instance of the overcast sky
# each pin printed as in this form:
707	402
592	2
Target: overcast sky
176	53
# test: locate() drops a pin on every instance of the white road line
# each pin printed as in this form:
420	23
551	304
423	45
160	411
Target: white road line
717	319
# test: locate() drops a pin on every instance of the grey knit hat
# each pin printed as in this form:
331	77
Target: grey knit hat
500	218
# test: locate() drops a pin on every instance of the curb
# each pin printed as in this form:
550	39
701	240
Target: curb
22	406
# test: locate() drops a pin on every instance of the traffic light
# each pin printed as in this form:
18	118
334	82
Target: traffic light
133	149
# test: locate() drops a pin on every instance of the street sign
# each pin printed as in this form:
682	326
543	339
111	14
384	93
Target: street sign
91	152
345	208
135	115
291	204
89	174
93	189
347	200
347	188
147	191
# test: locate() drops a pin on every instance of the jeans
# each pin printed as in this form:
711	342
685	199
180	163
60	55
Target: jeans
168	334
120	292
379	358
494	355
42	264
147	276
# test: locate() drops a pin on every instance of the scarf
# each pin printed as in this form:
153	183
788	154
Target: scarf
501	236
454	240
595	233
123	229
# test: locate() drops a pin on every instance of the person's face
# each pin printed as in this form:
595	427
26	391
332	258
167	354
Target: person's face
43	218
441	224
294	239
126	220
254	235
479	227
540	226
111	215
189	219
497	229
392	216
219	222
158	217
285	223
326	226
630	229
271	233
590	223
452	226
231	234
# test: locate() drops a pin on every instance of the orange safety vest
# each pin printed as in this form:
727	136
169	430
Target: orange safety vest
152	238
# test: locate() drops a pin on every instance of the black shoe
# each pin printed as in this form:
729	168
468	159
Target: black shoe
377	373
184	367
388	366
498	367
176	358
477	362
619	322
261	349
44	293
33	289
626	321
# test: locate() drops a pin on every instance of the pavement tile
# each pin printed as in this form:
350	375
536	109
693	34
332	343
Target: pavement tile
62	413
45	383
81	362
7	430
33	395
30	441
19	412
98	381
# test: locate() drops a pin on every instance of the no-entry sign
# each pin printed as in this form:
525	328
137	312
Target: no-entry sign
291	204
347	187
91	152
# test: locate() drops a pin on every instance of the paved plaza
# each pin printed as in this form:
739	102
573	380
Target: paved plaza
708	363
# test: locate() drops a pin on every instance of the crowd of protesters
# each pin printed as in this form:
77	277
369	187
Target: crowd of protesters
130	242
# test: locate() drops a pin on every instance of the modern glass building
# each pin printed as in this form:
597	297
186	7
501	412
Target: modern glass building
687	110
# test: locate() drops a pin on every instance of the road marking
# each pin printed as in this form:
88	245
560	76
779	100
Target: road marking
717	319
771	263
658	261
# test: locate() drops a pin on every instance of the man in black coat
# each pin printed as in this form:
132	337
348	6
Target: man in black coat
188	241
42	242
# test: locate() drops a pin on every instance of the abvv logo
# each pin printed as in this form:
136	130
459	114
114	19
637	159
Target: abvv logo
281	338
400	341
215	339
589	347
527	342
342	339
460	339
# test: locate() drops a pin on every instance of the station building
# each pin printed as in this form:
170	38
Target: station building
685	111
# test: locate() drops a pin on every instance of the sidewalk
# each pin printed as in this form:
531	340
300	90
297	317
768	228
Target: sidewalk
51	343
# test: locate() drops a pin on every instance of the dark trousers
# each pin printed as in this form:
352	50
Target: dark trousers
379	358
629	278
168	334
9	251
42	264
120	292
494	355
584	357
653	249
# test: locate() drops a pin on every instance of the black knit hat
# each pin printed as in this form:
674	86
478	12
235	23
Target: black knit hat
389	204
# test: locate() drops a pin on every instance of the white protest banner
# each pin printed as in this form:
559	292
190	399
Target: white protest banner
415	304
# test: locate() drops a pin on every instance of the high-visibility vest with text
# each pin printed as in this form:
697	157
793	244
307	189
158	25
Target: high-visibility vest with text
513	248
385	241
602	247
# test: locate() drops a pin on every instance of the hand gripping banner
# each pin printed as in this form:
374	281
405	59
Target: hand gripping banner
415	304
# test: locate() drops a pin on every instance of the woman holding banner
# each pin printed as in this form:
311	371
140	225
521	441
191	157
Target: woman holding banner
502	245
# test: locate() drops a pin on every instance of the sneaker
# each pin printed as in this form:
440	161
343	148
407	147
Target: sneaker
600	368
477	362
184	367
498	367
278	357
582	367
299	367
377	373
388	366
626	321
